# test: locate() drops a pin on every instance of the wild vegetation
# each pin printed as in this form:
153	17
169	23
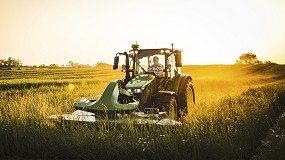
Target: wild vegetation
237	115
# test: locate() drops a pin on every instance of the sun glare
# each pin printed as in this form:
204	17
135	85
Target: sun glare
71	86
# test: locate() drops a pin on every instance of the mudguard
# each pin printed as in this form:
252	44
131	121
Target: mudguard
176	82
179	83
184	77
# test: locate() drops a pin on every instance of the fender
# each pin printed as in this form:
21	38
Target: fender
184	77
175	83
179	83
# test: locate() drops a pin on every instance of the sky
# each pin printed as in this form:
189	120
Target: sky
90	31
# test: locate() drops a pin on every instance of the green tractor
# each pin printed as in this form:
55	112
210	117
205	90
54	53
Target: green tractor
149	89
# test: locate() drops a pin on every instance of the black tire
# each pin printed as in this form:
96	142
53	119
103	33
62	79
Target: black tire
168	104
186	99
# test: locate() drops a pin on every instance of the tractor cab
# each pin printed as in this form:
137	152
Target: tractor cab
162	62
158	61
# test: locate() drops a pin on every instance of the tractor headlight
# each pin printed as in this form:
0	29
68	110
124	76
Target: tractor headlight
129	90
137	91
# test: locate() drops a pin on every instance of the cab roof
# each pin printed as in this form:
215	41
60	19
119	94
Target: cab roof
150	52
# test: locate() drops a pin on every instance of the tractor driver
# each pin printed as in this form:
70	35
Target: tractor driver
156	67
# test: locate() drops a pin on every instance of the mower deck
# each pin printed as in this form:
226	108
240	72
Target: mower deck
135	118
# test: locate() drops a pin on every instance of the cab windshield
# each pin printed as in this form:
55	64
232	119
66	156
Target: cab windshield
153	63
153	60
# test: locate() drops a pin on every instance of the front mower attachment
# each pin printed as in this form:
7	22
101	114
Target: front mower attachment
132	118
77	116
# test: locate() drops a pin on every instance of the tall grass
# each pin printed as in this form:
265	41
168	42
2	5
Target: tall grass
228	121
272	146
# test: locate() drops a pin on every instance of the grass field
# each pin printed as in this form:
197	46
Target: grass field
237	115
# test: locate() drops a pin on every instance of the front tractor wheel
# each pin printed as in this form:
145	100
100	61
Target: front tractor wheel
168	104
186	99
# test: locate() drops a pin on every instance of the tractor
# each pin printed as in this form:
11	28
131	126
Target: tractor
143	93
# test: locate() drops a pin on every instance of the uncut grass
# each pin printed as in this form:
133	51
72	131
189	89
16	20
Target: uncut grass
272	146
240	121
230	131
219	127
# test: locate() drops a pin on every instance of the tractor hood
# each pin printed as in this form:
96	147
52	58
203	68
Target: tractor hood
140	81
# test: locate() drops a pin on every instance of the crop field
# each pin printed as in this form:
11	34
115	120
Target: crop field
239	114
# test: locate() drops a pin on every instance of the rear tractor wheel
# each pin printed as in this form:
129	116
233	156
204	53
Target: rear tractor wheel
186	99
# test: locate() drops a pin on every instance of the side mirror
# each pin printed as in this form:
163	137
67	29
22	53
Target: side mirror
178	59
116	62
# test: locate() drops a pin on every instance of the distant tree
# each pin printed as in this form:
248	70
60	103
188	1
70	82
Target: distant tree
268	62
248	58
77	65
3	62
70	63
53	65
18	62
10	62
42	66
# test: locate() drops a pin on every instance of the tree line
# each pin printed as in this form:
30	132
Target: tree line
250	58
10	62
245	58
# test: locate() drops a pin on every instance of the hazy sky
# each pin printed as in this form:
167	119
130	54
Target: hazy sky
91	31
